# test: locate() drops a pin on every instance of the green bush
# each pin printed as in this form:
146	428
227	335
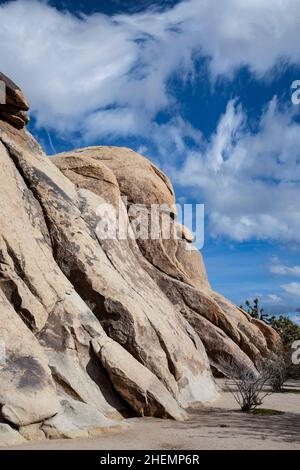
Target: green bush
286	328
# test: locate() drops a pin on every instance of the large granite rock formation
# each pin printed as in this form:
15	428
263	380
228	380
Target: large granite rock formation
97	329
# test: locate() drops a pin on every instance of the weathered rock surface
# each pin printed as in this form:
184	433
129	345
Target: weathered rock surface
32	432
9	436
25	373
13	105
139	387
178	270
97	328
77	419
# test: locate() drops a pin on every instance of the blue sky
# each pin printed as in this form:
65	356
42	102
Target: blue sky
201	87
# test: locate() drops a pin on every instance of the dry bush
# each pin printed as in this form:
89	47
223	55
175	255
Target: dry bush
278	372
248	389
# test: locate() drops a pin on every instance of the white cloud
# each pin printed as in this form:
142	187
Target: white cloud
293	289
285	270
97	69
249	181
96	72
280	269
273	299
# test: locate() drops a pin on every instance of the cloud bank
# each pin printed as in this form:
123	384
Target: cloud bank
108	76
115	69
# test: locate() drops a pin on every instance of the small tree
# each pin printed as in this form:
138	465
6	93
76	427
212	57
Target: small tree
254	310
249	389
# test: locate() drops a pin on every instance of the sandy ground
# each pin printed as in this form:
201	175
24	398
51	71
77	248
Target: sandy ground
217	426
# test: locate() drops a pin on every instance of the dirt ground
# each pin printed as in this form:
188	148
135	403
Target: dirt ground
217	426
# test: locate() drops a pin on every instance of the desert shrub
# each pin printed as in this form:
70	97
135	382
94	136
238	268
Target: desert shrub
249	389
277	371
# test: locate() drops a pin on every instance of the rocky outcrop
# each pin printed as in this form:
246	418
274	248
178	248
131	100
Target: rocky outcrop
100	328
76	419
9	436
13	105
178	270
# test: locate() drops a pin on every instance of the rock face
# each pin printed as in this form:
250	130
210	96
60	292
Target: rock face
99	328
9	436
13	105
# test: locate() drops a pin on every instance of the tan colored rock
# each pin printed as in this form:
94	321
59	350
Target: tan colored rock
97	328
135	383
79	420
110	288
180	271
192	262
32	432
272	338
14	109
38	288
184	233
90	174
9	436
144	185
24	375
115	279
132	172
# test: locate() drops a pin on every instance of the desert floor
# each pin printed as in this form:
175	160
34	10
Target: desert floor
219	425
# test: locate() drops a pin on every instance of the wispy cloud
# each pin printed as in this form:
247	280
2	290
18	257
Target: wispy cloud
282	270
293	288
249	181
273	299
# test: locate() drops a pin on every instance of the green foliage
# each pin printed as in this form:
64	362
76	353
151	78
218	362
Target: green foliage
254	310
286	328
265	412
